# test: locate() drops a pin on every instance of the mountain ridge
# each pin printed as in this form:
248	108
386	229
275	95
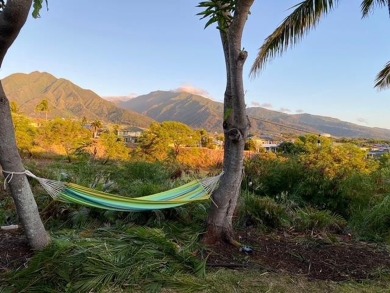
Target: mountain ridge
201	112
68	100
65	99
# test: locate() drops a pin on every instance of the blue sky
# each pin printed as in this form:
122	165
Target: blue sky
128	47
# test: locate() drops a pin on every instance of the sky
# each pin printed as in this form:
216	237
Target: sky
130	48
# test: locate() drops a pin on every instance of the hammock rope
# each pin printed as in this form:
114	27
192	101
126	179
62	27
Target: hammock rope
194	191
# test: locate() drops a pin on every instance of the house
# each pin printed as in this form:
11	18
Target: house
130	134
269	144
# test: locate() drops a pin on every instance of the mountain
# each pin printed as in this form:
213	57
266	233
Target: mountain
68	100
65	100
191	109
200	112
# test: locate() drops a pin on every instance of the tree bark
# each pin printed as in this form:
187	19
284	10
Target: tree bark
235	125
12	19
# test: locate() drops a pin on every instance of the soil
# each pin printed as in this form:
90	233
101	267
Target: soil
317	256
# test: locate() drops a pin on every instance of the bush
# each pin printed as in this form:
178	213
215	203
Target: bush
262	211
316	220
373	223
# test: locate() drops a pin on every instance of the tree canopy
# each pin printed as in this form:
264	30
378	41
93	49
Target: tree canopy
305	17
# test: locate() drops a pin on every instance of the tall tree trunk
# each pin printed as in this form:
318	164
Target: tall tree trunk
235	125
12	19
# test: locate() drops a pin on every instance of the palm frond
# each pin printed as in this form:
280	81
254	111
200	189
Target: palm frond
305	16
382	80
367	6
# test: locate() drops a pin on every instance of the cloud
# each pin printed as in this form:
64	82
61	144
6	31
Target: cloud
285	110
120	98
362	120
193	90
255	104
299	111
266	105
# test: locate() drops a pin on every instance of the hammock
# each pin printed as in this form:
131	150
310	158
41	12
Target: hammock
194	191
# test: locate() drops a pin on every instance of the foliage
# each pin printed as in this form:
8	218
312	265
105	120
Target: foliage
43	106
37	6
15	108
219	12
66	135
335	161
25	133
267	174
263	212
96	125
314	220
327	176
200	158
131	258
373	222
114	148
290	148
305	16
160	138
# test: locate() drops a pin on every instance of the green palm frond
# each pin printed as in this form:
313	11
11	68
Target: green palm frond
382	80
368	5
305	16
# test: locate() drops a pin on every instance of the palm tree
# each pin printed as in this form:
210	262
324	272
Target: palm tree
97	124
231	17
43	106
305	17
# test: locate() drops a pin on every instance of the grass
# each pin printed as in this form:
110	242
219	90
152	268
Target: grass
161	255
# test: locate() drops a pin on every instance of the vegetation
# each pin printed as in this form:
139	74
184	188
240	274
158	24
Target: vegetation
97	250
312	186
43	106
64	136
306	16
167	138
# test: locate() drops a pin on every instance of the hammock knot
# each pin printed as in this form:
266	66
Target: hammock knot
10	176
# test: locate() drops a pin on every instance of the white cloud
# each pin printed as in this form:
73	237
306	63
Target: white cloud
285	110
267	105
362	120
194	90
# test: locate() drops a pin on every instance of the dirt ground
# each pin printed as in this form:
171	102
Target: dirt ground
314	256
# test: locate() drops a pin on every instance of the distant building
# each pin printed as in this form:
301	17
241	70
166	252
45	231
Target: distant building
266	142
130	134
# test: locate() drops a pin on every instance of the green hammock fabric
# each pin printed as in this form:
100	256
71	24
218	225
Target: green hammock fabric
193	191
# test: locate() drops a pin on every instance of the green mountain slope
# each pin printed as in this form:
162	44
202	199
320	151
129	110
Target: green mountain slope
200	112
65	100
190	109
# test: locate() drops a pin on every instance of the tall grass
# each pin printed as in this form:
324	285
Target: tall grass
373	223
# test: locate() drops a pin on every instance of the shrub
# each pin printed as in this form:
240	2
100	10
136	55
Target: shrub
262	211
373	223
318	220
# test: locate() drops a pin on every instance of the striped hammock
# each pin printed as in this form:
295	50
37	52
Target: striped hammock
194	191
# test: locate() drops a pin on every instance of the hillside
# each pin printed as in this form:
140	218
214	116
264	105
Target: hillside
200	112
68	100
194	110
65	100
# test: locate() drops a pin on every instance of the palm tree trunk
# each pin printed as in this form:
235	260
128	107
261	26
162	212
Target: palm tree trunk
235	125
